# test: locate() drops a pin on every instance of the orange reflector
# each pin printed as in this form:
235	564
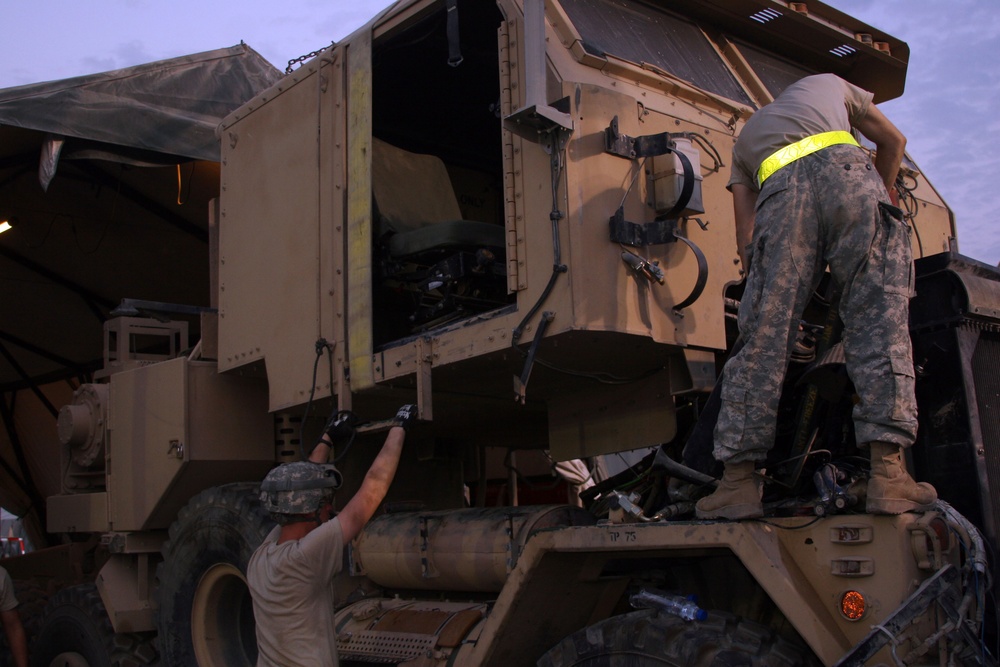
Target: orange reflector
852	605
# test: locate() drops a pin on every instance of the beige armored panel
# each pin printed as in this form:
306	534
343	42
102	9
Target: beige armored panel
276	227
175	428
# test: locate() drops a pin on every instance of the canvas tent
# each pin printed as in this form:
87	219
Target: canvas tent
106	180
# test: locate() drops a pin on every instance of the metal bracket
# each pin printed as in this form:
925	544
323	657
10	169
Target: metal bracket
537	116
176	449
651	145
658	232
642	267
632	148
637	235
380	426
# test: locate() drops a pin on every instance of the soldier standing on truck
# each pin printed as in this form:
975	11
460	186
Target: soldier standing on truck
805	197
290	575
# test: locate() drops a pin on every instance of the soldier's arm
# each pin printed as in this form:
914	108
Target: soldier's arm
339	430
889	144
744	201
321	452
16	638
362	506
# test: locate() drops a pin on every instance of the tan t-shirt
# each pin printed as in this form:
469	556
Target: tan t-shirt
292	591
7	599
815	104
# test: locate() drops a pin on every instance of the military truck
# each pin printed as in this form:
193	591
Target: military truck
514	215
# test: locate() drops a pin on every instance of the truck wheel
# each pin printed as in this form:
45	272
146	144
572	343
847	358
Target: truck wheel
645	639
206	615
75	630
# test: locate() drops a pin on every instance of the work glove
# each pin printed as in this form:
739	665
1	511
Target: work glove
340	427
406	416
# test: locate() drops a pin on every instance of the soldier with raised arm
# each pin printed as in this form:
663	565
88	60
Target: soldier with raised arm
290	575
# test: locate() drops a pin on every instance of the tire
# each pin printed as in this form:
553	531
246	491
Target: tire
645	639
75	630
205	612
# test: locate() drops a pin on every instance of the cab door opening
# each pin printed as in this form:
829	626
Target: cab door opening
437	172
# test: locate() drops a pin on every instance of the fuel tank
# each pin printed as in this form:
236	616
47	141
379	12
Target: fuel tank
454	550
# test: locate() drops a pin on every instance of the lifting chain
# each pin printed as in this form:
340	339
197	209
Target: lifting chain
308	56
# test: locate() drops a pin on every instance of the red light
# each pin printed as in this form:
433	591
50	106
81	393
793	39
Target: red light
852	605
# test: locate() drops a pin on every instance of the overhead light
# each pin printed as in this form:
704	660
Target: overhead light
5	226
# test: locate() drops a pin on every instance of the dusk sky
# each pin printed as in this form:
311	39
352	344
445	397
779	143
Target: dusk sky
948	112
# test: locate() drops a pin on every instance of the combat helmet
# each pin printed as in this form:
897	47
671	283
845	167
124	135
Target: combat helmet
299	488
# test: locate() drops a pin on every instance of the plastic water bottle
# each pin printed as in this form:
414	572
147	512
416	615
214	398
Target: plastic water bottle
685	607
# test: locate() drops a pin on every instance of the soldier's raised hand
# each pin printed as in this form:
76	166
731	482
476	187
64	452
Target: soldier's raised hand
341	426
406	416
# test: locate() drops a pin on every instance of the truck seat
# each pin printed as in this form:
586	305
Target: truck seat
416	207
434	266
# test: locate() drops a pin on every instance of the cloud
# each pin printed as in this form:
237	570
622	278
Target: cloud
948	108
125	54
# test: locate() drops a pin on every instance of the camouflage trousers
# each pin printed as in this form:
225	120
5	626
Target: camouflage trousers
825	210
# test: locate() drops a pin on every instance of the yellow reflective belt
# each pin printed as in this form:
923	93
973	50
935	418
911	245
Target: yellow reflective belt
801	148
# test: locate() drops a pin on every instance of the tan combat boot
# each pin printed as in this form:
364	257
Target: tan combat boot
737	495
891	490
